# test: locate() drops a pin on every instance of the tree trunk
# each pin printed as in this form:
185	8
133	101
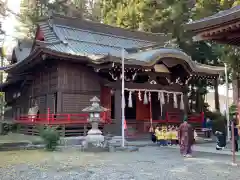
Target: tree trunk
235	85
216	95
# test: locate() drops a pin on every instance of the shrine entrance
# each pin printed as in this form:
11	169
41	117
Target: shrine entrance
151	104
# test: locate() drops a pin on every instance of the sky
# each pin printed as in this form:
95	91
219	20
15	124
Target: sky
10	23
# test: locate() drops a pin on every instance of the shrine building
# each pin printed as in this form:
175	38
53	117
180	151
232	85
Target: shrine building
72	60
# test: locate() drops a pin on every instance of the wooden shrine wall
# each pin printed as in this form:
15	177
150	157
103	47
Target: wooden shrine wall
77	84
44	86
40	88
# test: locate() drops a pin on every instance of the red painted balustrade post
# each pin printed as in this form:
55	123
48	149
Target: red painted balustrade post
48	115
68	117
202	117
167	117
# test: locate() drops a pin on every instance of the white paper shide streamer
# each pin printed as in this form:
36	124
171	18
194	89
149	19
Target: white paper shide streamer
145	99
175	103
182	103
139	96
162	101
130	105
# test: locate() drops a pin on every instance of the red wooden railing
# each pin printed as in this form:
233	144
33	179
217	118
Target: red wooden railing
175	117
171	117
59	118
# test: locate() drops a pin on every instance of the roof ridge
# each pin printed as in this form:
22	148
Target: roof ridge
105	34
224	16
90	21
108	29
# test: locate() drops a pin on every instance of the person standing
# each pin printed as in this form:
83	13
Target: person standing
152	134
186	138
209	127
235	131
236	137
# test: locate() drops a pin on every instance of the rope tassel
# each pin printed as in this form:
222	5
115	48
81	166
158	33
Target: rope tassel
161	108
167	97
149	96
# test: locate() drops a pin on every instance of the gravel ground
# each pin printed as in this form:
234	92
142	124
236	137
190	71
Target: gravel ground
149	163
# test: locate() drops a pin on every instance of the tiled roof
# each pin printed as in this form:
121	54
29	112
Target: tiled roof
76	41
216	19
23	49
221	14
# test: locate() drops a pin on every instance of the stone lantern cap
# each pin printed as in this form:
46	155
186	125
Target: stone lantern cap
95	107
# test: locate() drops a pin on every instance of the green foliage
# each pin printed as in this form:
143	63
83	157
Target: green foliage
29	17
233	110
50	136
7	128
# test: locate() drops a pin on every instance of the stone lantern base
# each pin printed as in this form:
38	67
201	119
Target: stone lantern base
94	136
94	141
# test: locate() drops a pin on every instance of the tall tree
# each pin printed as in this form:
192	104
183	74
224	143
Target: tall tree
31	13
132	14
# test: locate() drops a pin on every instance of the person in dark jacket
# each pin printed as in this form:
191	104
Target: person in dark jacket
236	136
221	140
235	131
152	134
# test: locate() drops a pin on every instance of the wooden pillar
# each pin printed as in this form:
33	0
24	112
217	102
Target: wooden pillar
105	98
50	102
117	113
59	102
216	95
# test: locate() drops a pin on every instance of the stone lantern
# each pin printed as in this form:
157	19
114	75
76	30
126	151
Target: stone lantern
94	135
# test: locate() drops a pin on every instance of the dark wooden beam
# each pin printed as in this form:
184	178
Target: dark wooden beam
155	74
101	66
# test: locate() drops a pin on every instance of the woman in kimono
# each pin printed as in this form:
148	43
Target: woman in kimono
186	138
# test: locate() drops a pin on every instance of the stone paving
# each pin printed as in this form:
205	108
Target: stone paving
150	163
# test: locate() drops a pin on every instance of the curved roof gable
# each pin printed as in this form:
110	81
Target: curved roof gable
221	17
151	57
